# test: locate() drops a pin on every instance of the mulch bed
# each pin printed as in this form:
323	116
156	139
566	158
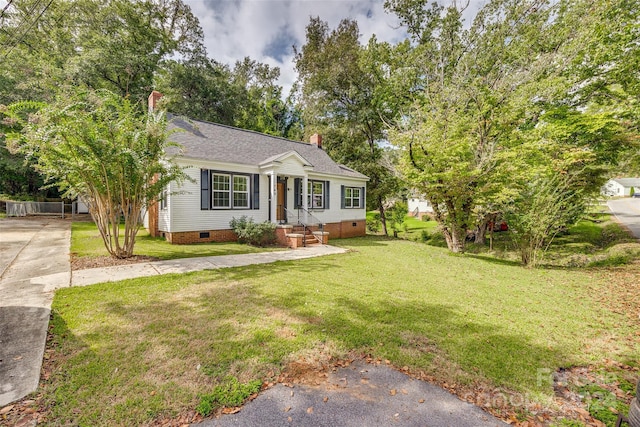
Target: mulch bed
82	263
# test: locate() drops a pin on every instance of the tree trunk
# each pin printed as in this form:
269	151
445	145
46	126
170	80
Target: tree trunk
481	231
383	219
455	238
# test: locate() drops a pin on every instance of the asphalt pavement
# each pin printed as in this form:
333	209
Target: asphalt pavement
627	211
358	395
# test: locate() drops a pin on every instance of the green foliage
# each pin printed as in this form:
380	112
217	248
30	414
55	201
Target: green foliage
229	394
246	96
396	216
544	208
257	234
99	146
349	104
373	222
603	404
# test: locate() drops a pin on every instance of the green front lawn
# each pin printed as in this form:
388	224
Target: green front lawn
86	242
147	349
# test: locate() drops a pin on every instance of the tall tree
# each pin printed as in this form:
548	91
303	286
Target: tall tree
477	88
341	85
49	46
99	146
115	44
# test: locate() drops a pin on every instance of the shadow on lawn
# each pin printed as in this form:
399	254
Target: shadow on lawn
413	333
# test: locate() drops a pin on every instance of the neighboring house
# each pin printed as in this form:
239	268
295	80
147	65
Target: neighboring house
419	207
623	187
237	172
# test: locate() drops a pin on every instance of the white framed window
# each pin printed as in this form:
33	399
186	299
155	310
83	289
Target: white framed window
352	198
240	191
315	194
164	195
220	194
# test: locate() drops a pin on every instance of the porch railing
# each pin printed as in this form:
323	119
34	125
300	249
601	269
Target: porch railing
306	219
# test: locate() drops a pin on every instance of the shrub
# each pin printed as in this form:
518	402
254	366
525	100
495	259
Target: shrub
373	222
426	218
396	215
257	234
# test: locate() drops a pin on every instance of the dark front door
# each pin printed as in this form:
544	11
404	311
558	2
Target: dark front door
281	191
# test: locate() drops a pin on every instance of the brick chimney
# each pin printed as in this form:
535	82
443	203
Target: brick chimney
153	100
316	140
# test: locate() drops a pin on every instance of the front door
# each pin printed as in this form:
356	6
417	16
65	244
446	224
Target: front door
280	212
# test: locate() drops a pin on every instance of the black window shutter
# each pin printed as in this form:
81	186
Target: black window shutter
256	192
205	192
342	197
326	195
297	186
362	198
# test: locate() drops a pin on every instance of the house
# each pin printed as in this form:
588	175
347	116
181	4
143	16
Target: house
419	207
238	172
622	187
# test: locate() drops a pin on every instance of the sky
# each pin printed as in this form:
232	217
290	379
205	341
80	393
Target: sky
266	30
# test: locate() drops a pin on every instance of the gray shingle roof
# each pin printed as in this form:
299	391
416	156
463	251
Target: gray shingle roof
628	182
210	141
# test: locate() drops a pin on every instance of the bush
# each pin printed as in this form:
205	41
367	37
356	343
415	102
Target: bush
396	215
257	234
426	218
373	222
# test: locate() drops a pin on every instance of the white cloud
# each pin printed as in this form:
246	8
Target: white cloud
266	30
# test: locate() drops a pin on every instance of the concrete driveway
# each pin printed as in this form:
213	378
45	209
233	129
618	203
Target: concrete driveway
627	211
34	261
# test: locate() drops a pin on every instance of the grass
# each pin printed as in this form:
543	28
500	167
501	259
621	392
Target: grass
596	241
148	349
86	242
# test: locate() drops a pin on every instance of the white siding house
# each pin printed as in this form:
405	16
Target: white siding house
621	187
236	172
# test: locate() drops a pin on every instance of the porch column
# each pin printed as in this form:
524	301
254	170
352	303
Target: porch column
305	193
273	206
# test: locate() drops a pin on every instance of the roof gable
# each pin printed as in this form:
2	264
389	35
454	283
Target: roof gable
628	182
213	142
279	158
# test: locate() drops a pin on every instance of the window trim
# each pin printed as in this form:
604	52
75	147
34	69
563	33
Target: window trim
214	191
352	198
360	199
247	192
311	194
207	189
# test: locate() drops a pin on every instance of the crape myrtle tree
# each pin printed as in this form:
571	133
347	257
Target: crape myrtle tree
98	145
119	45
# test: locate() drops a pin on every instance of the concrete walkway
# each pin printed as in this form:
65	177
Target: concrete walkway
185	265
34	261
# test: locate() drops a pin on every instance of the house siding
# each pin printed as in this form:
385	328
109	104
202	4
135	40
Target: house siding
184	208
335	214
290	167
183	221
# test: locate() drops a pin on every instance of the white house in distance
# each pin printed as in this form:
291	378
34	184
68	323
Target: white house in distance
238	173
621	187
418	207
